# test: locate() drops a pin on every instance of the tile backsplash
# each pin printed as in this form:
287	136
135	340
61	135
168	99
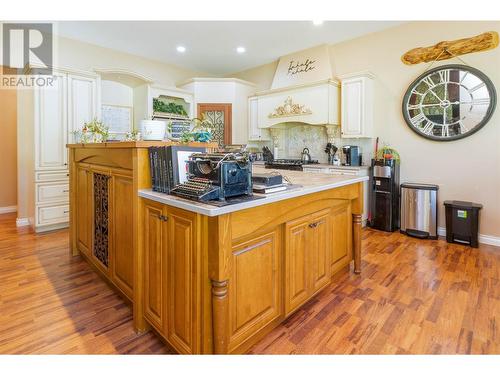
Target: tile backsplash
295	136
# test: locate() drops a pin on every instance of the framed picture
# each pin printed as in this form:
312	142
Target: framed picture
118	118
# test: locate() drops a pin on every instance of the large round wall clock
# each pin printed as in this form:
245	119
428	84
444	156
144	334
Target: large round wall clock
449	102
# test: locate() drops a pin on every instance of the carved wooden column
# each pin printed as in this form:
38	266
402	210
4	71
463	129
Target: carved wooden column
219	254
356	242
220	315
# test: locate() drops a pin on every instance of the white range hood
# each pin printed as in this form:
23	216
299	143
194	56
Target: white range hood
313	104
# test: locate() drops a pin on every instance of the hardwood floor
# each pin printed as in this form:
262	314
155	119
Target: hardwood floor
51	302
412	297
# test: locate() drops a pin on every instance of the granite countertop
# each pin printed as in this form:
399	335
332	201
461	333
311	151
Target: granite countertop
310	183
325	165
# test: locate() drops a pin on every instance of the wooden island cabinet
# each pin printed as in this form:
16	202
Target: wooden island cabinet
209	279
105	221
218	282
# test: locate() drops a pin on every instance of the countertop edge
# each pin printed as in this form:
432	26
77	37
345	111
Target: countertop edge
211	211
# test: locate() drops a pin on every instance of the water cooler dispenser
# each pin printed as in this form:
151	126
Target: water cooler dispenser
384	210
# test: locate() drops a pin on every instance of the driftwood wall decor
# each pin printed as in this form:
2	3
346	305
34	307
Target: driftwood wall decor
448	49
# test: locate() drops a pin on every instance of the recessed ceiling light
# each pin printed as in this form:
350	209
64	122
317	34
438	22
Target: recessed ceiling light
181	49
241	49
317	23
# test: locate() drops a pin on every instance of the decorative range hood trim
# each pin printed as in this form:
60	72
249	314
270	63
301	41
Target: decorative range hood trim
315	104
290	109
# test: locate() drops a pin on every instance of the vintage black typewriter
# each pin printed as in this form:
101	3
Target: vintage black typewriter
216	176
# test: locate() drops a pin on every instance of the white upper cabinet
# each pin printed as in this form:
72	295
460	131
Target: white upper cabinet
82	102
357	106
314	104
254	132
51	125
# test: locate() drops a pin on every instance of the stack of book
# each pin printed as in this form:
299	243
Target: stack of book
267	183
162	170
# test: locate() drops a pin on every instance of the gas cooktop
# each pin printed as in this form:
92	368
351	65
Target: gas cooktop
291	164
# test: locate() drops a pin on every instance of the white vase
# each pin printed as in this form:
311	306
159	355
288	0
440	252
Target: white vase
153	130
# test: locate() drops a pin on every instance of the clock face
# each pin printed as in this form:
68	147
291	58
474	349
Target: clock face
449	102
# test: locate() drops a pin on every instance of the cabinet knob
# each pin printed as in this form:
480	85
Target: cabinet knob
163	218
313	225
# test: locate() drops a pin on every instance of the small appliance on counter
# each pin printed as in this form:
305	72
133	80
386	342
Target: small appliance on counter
462	222
216	176
351	156
384	202
419	210
290	164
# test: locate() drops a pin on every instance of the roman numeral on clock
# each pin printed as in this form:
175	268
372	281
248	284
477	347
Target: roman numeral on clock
427	129
417	119
444	76
429	82
481	101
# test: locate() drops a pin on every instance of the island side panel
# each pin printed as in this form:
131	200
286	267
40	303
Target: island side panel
141	180
72	203
357	212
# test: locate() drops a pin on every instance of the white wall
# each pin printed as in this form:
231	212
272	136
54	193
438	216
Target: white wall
116	93
79	55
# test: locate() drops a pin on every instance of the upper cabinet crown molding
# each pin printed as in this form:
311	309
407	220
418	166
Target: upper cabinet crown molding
333	82
124	76
362	73
215	80
31	68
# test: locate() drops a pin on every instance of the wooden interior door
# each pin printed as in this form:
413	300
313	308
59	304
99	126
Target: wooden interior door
220	115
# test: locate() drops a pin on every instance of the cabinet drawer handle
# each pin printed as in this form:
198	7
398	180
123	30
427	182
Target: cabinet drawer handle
313	225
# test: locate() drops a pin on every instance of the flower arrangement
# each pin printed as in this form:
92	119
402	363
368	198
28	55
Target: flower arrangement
92	132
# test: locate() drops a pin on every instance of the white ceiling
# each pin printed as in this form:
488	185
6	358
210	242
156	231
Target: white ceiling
211	45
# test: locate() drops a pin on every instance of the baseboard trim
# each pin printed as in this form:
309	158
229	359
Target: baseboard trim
8	209
22	222
483	238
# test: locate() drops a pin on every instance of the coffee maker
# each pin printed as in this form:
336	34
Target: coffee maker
351	156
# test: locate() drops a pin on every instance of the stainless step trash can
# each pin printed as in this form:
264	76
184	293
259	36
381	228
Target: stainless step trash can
419	210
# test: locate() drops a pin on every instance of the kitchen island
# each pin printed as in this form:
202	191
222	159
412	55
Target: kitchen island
217	279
